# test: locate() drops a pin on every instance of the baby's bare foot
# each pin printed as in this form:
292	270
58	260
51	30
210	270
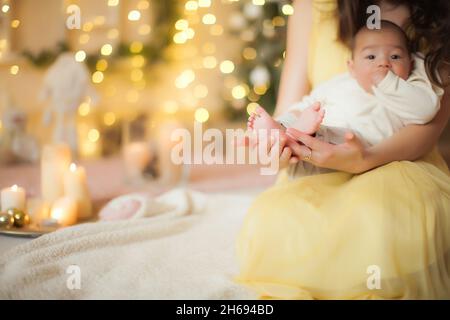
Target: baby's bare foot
260	122
310	119
260	119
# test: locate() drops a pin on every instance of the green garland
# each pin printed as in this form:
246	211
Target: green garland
46	57
167	13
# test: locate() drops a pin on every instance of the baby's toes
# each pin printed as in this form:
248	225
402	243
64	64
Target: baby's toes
316	106
320	115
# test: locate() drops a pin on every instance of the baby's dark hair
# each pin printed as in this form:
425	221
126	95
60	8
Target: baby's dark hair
384	25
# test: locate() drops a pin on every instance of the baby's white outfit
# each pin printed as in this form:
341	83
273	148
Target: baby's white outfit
394	104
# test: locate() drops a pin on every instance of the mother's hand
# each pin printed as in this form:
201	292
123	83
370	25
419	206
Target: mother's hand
276	148
349	156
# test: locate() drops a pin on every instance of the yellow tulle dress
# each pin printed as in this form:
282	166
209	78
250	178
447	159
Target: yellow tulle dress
381	234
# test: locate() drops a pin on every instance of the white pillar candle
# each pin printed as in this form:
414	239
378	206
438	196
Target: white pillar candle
75	187
55	162
13	197
136	156
64	211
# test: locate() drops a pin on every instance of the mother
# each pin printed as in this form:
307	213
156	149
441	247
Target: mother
380	227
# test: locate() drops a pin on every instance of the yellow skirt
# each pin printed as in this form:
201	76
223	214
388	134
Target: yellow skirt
382	234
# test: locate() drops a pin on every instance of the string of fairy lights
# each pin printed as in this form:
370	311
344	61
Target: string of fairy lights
240	94
188	19
6	24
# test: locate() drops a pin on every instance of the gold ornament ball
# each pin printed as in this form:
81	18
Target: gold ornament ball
20	218
6	220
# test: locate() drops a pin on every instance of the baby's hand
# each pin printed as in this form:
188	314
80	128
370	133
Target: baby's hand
378	76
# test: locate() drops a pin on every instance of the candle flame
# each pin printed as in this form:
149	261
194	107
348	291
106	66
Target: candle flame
57	213
73	167
14	188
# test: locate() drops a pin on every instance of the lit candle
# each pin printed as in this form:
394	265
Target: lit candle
75	187
13	197
64	211
136	157
54	163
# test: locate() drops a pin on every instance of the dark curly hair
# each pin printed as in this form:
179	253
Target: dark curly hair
428	30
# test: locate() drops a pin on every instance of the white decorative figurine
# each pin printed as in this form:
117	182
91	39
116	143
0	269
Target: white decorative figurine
67	85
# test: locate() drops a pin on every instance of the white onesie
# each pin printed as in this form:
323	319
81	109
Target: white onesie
394	104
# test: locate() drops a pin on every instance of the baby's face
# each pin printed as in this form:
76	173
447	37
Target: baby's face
376	52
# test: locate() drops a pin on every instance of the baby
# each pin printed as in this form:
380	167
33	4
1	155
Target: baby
385	89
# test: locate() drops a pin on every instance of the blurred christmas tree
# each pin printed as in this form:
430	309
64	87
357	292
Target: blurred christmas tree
262	27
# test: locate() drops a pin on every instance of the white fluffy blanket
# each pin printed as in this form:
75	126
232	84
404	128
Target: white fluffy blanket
187	255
